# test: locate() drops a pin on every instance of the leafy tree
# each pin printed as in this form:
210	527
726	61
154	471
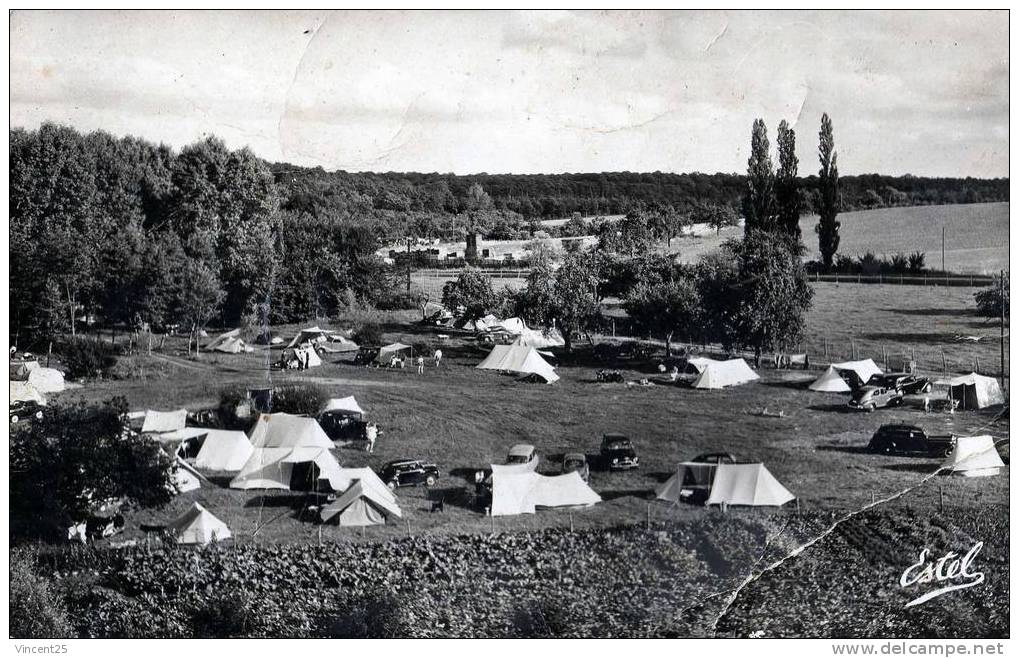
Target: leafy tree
828	199
199	299
787	193
565	295
668	307
917	261
77	457
990	299
754	294
715	215
759	198
471	291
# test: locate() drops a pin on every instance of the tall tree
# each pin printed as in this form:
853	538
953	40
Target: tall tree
759	198
787	193
565	296
828	200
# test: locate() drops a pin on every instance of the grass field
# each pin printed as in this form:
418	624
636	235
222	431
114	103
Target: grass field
463	419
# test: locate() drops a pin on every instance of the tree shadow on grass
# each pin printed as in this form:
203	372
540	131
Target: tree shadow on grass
612	494
944	312
461	497
837	408
661	476
912	337
293	501
800	385
913	467
850	450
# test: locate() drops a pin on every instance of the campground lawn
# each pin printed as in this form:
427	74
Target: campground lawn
463	418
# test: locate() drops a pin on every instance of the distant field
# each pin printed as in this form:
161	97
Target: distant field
976	235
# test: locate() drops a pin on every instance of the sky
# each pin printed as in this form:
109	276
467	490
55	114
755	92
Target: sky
924	93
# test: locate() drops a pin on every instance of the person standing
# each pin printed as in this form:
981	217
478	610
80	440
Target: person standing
438	357
371	432
421	365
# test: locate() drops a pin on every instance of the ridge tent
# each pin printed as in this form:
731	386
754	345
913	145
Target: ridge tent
522	492
687	476
19	370
223	450
46	380
830	382
164	421
974	391
233	346
519	359
540	339
313	359
387	353
347	406
747	484
287	451
719	374
974	456
198	526
310	335
698	363
219	340
25	392
862	370
513	326
360	505
482	324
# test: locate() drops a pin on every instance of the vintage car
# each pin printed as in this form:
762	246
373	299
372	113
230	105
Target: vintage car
617	453
576	461
869	398
910	440
409	473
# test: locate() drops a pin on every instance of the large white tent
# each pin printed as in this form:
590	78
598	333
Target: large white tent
520	491
482	324
280	442
185	478
164	421
361	505
387	353
687	475
719	374
228	343
864	369
224	450
540	339
25	392
198	526
747	484
346	406
974	456
310	335
699	363
519	359
830	382
974	391
46	380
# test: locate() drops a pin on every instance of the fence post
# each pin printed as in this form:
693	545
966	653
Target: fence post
944	362
649	516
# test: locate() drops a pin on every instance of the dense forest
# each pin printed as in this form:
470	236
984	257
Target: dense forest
128	232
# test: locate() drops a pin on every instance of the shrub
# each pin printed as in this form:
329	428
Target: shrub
370	617
368	334
35	612
87	357
221	616
401	300
917	261
298	399
869	263
899	263
990	299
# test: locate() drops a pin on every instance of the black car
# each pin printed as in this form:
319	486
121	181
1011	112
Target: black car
21	411
715	458
904	382
409	473
617	453
910	440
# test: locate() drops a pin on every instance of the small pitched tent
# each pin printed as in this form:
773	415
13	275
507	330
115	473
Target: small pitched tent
289	452
25	392
519	359
521	491
719	374
974	456
830	382
361	505
687	476
164	421
387	353
198	526
19	369
224	450
484	324
973	391
347	406
861	370
228	342
513	326
46	380
747	484
697	364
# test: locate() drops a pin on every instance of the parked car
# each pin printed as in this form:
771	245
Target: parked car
910	439
869	398
20	411
576	461
617	453
409	473
715	458
905	382
522	453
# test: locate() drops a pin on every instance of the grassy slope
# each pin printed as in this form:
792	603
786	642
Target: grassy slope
464	418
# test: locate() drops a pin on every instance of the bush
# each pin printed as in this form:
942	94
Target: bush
221	616
298	399
88	358
35	612
989	300
401	300
917	261
368	334
370	617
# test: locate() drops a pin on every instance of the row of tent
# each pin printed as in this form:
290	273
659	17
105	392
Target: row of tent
328	340
539	339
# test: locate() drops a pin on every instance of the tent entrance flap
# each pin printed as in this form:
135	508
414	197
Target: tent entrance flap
304	476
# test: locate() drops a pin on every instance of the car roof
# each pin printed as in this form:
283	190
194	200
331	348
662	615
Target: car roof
574	455
401	462
613	436
521	448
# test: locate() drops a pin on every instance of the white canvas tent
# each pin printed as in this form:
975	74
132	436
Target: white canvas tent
519	359
521	491
233	346
747	484
25	392
361	505
280	442
540	339
688	474
347	406
974	456
46	380
513	326
483	324
387	353
313	359
226	342
973	391
310	335
719	374
338	343
830	382
19	369
863	369
185	478
164	421
224	450
699	363
198	526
